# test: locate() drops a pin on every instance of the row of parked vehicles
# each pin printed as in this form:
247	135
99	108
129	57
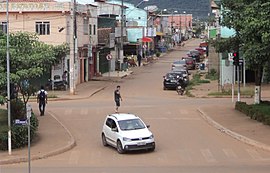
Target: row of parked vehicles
178	77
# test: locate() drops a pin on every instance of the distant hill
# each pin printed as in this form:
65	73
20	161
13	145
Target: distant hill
198	8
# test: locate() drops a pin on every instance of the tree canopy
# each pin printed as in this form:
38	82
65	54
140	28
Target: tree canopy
250	20
29	58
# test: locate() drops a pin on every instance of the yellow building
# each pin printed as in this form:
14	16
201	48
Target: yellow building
53	22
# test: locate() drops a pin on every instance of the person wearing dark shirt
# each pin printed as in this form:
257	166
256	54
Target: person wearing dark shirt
117	98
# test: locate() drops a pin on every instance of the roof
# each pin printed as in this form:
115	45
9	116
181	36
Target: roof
124	116
214	5
32	1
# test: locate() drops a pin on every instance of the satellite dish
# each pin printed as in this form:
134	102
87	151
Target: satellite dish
151	8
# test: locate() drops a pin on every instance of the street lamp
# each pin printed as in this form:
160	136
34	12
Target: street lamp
8	76
185	22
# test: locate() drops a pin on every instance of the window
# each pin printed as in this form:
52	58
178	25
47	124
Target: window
43	28
109	122
3	27
85	26
90	29
94	30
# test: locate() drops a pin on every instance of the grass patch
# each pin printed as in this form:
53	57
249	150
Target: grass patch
189	94
196	80
3	121
245	92
49	96
212	75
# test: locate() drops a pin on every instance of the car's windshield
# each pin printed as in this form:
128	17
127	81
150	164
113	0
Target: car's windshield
132	124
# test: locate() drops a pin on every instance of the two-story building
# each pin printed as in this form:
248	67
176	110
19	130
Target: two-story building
52	22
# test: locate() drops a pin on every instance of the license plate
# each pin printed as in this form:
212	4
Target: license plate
141	143
173	80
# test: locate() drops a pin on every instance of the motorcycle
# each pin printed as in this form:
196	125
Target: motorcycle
181	84
56	85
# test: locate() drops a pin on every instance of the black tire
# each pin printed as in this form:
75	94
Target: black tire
152	149
119	147
104	141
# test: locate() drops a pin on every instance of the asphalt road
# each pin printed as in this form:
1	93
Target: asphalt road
185	142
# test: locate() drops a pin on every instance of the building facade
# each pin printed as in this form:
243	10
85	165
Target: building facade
52	22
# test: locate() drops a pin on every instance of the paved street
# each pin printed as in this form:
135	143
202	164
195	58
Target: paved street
185	141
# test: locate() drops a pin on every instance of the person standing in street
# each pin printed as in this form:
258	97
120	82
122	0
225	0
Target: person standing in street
117	98
139	59
42	100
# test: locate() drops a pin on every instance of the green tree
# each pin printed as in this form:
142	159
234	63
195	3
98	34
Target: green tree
250	19
29	59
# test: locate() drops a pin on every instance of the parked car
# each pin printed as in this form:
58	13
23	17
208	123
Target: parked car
170	80
201	50
195	55
179	63
184	73
191	65
127	132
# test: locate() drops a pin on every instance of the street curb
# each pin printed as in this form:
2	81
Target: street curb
233	134
72	142
69	146
80	98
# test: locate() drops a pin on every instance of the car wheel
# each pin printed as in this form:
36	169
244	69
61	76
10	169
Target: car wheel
119	147
164	88
104	141
152	149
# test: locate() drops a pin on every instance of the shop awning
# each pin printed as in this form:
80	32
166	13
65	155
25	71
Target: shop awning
147	39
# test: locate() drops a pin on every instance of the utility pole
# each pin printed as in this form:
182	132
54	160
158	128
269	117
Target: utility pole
122	29
73	50
8	83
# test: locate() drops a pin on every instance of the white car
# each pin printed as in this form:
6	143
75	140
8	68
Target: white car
127	132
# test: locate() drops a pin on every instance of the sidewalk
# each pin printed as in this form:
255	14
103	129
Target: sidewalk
223	117
51	128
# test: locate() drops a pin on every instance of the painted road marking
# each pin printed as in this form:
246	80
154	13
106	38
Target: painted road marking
254	154
208	155
229	153
74	157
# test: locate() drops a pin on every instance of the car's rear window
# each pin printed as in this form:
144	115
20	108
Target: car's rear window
180	62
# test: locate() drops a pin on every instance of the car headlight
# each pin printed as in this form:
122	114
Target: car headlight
151	137
126	139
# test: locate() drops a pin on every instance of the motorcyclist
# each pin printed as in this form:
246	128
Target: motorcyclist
182	82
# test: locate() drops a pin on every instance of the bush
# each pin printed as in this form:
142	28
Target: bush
260	112
17	109
19	135
212	75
